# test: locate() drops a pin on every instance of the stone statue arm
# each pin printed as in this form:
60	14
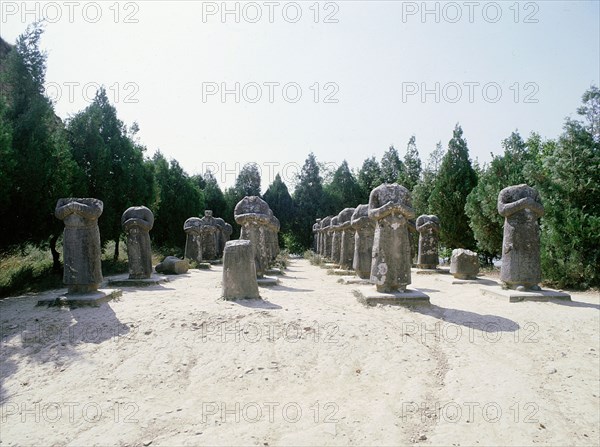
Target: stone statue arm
428	225
507	209
361	221
249	217
136	221
91	210
391	208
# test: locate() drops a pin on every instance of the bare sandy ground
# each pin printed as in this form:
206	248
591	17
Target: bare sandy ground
309	365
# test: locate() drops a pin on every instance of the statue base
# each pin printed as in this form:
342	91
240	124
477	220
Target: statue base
353	280
330	265
267	281
274	271
142	282
515	296
410	297
82	299
340	272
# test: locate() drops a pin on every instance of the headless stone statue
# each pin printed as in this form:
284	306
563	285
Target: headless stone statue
193	242
335	239
347	238
326	237
81	243
364	227
521	207
390	206
209	233
252	213
428	227
137	222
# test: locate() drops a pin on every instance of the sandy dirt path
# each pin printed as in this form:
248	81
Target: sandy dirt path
308	365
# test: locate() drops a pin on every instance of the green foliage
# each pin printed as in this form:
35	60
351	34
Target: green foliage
411	173
214	197
281	203
424	187
391	166
178	199
37	166
482	202
369	178
113	166
308	197
453	184
247	182
569	184
343	191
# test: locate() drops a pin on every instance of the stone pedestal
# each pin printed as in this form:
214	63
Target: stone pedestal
93	298
153	280
353	280
81	243
239	272
410	297
515	296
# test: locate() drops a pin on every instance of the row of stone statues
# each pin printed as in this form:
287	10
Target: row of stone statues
205	241
206	237
378	237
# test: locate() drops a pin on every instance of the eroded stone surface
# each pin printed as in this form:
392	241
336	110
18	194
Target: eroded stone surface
390	206
239	271
326	237
428	227
193	241
464	264
172	265
336	239
137	221
81	243
521	207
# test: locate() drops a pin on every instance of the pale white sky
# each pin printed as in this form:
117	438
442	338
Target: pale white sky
360	67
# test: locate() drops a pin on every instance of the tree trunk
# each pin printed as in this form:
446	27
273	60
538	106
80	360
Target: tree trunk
55	254
116	254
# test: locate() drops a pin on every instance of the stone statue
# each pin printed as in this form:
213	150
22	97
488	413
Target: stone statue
193	242
428	227
364	227
209	234
390	206
336	239
521	207
172	266
252	213
347	238
239	274
137	222
326	237
315	229
81	243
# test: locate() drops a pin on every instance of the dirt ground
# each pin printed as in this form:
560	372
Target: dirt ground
308	365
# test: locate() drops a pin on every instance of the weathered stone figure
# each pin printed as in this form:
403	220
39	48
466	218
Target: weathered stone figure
239	274
347	238
521	207
428	227
326	235
81	245
252	213
193	242
315	229
275	227
464	264
336	239
137	222
390	206
209	233
364	227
